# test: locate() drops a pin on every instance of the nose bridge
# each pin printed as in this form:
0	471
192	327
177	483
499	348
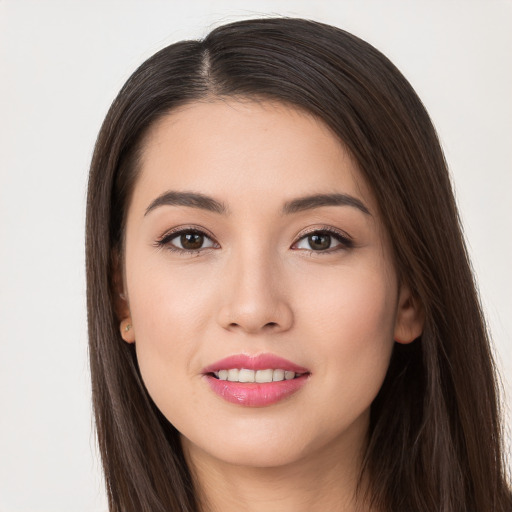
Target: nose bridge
255	292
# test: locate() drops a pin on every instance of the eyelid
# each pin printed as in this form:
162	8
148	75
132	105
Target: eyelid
323	228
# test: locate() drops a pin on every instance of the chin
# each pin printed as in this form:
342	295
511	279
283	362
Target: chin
247	449
258	457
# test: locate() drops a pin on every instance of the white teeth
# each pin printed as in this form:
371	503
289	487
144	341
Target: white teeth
259	376
278	375
233	375
263	376
245	375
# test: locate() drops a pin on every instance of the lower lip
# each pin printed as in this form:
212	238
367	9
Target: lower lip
254	394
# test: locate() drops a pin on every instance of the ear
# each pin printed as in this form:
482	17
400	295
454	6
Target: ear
121	304
410	316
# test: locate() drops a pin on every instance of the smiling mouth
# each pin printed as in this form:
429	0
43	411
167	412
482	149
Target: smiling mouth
255	376
255	381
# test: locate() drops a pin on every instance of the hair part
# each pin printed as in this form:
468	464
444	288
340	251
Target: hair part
434	439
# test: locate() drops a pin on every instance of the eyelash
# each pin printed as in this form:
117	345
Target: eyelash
164	242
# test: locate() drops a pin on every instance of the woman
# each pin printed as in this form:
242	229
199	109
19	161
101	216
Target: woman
281	308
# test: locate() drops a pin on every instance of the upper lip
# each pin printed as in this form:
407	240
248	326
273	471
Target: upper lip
258	362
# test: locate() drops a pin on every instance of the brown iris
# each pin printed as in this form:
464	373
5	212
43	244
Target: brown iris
192	241
319	241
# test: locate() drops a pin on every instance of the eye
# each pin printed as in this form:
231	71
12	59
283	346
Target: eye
186	241
324	240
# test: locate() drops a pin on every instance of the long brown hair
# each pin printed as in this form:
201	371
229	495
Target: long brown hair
434	438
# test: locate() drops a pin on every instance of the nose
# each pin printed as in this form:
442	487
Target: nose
254	296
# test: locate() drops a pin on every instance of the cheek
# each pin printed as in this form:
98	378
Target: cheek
171	313
355	305
350	326
169	299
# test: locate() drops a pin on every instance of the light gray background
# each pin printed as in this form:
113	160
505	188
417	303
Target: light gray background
62	63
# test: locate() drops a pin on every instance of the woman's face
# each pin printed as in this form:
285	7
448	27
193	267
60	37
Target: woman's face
252	236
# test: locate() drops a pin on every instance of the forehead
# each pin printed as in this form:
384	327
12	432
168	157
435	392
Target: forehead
244	152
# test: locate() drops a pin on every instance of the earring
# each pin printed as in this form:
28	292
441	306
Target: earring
127	332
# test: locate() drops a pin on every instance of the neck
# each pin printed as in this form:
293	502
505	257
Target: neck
325	480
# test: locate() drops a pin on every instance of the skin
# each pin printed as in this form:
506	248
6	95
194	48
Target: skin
261	288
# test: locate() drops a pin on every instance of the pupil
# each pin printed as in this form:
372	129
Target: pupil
319	241
192	241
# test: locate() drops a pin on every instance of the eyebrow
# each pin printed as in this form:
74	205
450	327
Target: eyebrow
190	199
319	200
204	202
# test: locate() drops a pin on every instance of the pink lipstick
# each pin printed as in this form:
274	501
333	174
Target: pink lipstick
255	381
